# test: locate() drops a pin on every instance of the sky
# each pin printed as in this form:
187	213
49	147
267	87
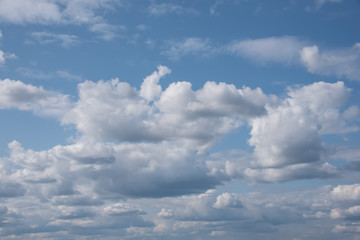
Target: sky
216	119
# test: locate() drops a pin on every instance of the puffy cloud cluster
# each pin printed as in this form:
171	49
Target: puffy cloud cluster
290	132
152	142
115	110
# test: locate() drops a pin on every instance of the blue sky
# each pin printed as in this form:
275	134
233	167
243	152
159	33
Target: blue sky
219	119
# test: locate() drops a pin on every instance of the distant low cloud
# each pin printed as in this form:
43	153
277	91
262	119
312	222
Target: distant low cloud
45	12
274	49
287	50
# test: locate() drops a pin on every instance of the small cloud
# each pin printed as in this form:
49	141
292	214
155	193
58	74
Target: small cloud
319	3
141	27
189	46
4	56
169	8
106	31
64	40
341	62
273	49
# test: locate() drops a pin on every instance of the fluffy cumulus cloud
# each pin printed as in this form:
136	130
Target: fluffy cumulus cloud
341	63
115	110
291	132
149	147
16	94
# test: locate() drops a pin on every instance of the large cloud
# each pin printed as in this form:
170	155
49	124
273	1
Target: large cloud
148	143
115	110
291	132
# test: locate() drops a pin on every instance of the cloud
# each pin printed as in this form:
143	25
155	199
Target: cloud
227	200
107	31
140	165
346	192
33	11
288	50
273	49
76	12
352	213
291	132
119	111
169	8
320	3
189	46
64	40
150	88
16	94
341	63
292	172
4	56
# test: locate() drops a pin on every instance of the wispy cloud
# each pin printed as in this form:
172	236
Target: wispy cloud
189	46
65	40
288	50
169	8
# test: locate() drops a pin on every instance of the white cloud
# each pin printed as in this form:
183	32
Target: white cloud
291	172
189	46
286	50
141	144
346	192
29	11
273	49
319	3
291	132
107	31
165	213
65	40
61	12
227	200
150	88
16	94
341	63
169	8
2	57
115	110
352	213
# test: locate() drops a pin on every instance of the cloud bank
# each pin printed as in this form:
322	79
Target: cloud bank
153	143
